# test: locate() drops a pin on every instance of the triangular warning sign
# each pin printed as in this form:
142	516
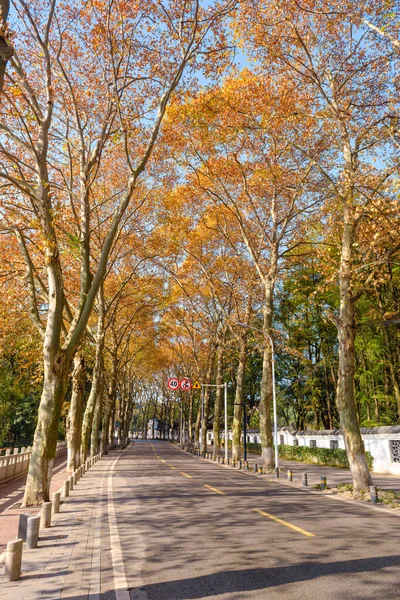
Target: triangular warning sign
196	386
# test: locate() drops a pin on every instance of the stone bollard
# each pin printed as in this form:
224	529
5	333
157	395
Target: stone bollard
14	560
255	468
83	468
323	483
32	532
304	479
45	515
76	477
55	501
277	473
22	526
71	482
87	465
373	490
66	488
240	464
227	461
223	460
290	475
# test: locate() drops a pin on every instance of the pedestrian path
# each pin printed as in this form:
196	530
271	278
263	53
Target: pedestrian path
67	562
12	493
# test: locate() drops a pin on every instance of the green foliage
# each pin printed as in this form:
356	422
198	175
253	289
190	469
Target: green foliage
319	456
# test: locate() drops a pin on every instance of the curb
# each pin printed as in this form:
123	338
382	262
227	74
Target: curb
333	495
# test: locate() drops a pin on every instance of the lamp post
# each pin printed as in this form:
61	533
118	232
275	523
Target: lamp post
225	386
269	338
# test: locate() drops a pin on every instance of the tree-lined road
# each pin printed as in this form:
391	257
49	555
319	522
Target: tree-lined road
192	529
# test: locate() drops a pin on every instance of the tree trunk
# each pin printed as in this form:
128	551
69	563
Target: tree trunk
238	406
96	383
74	420
207	400
218	400
37	489
94	440
267	450
392	370
197	425
346	335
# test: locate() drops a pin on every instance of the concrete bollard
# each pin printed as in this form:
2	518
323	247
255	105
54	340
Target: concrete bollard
32	532
255	468
290	475
277	473
223	460
373	490
71	482
304	479
55	501
14	560
22	526
240	464
227	461
87	465
45	515
83	468
76	477
66	489
323	483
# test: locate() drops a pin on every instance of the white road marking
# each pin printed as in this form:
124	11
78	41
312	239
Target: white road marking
120	581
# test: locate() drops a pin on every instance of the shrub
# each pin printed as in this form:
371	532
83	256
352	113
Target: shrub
319	456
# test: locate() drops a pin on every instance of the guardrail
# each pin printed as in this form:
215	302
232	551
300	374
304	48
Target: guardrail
15	462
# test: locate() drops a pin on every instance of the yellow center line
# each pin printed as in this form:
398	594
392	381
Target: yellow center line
299	529
214	489
172	466
162	460
186	475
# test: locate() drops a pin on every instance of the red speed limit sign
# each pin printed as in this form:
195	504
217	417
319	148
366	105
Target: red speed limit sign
173	383
185	384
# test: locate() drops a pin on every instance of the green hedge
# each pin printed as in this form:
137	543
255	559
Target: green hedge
319	456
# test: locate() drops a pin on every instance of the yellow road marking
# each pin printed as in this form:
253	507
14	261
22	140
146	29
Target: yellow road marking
172	466
186	475
162	460
214	489
299	529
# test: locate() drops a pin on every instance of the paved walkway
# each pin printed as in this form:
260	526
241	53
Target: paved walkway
67	562
12	493
334	475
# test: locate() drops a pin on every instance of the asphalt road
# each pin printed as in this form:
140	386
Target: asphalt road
190	529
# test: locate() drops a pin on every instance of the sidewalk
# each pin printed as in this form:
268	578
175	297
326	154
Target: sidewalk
334	475
12	493
66	563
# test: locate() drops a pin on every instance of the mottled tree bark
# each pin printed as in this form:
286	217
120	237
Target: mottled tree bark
346	334
74	419
6	50
96	381
267	450
94	438
238	406
207	399
218	400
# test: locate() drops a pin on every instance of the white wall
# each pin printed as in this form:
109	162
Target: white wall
377	444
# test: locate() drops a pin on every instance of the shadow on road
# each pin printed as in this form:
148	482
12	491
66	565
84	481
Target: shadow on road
248	580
